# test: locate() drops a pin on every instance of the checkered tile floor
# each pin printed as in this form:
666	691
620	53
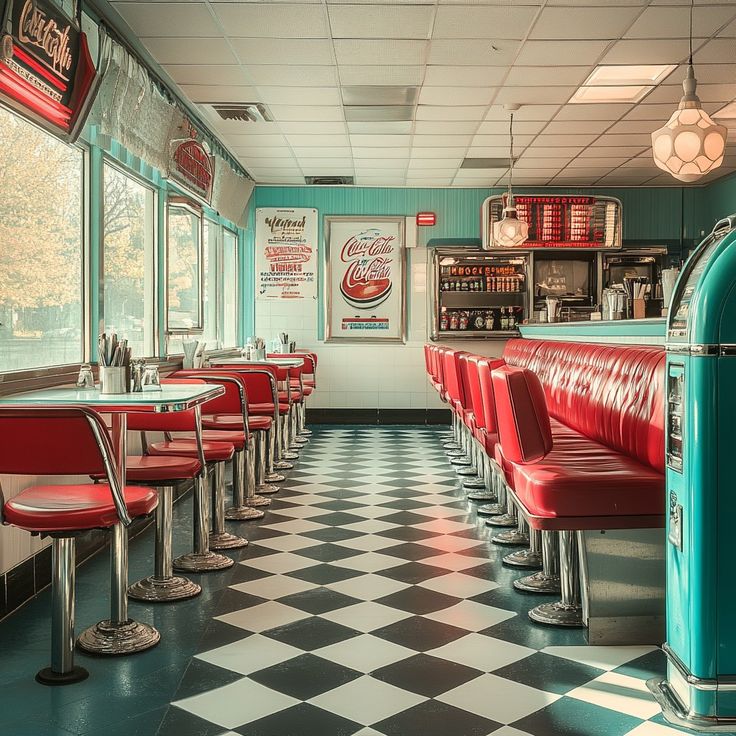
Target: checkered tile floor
371	602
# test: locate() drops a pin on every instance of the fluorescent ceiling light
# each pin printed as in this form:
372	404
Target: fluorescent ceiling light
629	75
727	113
590	95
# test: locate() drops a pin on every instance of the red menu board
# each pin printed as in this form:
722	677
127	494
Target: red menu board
560	221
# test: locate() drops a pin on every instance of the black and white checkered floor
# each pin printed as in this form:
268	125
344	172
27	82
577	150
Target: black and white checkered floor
371	601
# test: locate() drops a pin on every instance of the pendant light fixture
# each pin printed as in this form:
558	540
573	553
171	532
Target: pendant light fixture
510	231
690	145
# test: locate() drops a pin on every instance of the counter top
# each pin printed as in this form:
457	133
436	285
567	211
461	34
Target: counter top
624	331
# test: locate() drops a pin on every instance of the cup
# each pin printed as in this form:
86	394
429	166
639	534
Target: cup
553	309
258	354
114	379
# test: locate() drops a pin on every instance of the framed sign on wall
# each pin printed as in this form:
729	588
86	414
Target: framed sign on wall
286	253
365	279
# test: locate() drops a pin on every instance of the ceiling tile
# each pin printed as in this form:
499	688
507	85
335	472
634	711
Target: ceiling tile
457	127
385	153
292	75
169	19
456	95
380	181
300	95
417	164
576	126
446	114
558	139
331	163
441	141
318	169
647	52
405	76
299	51
628	139
271	152
583	23
552	151
211	74
490	151
280	180
632	126
706	74
610	152
311	141
501	139
318	128
714	52
558	76
565	53
398	127
306	113
593	112
272	20
464	76
435	153
527	112
610	163
365	21
189	50
256	162
661	22
380	53
432	182
472	52
382	163
529	161
302	152
389	141
245	141
202	93
482	22
501	127
533	95
259	131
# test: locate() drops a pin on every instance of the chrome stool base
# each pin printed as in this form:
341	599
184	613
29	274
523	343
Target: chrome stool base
202	562
540	582
155	590
466	471
288	455
299	440
513	537
482	496
256	500
489	509
274	478
502	520
267	488
557	614
47	676
462	461
305	432
455	452
243	513
473	483
282	465
225	540
524	558
111	638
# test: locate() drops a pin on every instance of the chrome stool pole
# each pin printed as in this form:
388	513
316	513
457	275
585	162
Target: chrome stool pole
297	440
529	558
261	451
487	493
476	481
219	537
519	536
163	585
507	519
547	580
281	463
244	496
271	475
202	559
62	671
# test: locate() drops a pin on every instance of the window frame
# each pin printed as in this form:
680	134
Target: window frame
238	290
178	201
107	160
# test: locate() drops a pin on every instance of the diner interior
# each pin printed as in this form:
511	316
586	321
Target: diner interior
366	367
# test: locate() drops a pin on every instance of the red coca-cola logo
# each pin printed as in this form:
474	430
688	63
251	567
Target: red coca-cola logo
366	282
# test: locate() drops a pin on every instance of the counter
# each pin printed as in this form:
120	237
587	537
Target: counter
625	331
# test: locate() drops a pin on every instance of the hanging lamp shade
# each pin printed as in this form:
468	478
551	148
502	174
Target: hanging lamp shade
510	231
690	144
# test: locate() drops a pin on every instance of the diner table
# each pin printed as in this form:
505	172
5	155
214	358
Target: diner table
119	634
280	362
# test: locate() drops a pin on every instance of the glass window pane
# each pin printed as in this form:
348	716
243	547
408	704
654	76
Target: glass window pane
41	247
128	258
230	289
184	264
212	242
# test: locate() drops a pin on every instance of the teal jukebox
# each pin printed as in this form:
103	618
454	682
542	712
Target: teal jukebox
699	690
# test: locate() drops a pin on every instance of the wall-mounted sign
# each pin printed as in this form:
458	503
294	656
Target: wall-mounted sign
286	253
365	267
46	70
426	219
191	165
559	221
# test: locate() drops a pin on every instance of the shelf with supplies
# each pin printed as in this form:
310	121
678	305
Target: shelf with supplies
470	334
470	299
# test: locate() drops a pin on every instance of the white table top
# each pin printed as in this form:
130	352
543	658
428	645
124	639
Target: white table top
281	362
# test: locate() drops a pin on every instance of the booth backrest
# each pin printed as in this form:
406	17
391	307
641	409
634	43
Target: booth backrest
613	394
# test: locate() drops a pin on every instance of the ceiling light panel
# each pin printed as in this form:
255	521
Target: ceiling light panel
629	74
364	21
597	95
299	51
168	19
377	95
511	22
272	20
583	23
378	113
380	53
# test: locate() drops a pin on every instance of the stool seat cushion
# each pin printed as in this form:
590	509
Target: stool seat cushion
295	395
235	421
153	468
214	452
235	437
54	508
265	409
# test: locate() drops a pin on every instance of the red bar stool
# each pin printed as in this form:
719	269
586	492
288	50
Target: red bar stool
289	451
294	391
308	381
65	441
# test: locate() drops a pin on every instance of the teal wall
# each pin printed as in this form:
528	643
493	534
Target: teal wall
716	201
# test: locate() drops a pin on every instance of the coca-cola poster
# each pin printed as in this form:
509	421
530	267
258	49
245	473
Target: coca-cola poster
365	278
286	253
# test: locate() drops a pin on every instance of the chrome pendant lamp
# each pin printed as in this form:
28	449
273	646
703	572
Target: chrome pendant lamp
510	231
690	145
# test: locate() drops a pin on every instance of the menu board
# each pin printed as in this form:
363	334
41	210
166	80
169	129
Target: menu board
559	221
286	253
365	279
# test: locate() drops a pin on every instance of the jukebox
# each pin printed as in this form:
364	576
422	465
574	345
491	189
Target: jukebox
699	690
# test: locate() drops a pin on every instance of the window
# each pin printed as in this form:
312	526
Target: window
41	247
128	260
212	300
230	288
185	269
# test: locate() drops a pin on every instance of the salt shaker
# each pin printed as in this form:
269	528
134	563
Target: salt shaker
85	379
137	370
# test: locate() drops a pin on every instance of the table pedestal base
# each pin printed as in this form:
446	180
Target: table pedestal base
118	637
47	676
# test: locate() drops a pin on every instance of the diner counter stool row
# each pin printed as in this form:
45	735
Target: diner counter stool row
562	446
254	422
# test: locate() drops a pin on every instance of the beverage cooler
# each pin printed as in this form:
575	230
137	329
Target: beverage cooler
477	294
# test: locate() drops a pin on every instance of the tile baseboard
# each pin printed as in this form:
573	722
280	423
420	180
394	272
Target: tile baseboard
378	416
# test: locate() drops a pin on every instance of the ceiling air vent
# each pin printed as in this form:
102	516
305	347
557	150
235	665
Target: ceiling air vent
330	181
245	112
